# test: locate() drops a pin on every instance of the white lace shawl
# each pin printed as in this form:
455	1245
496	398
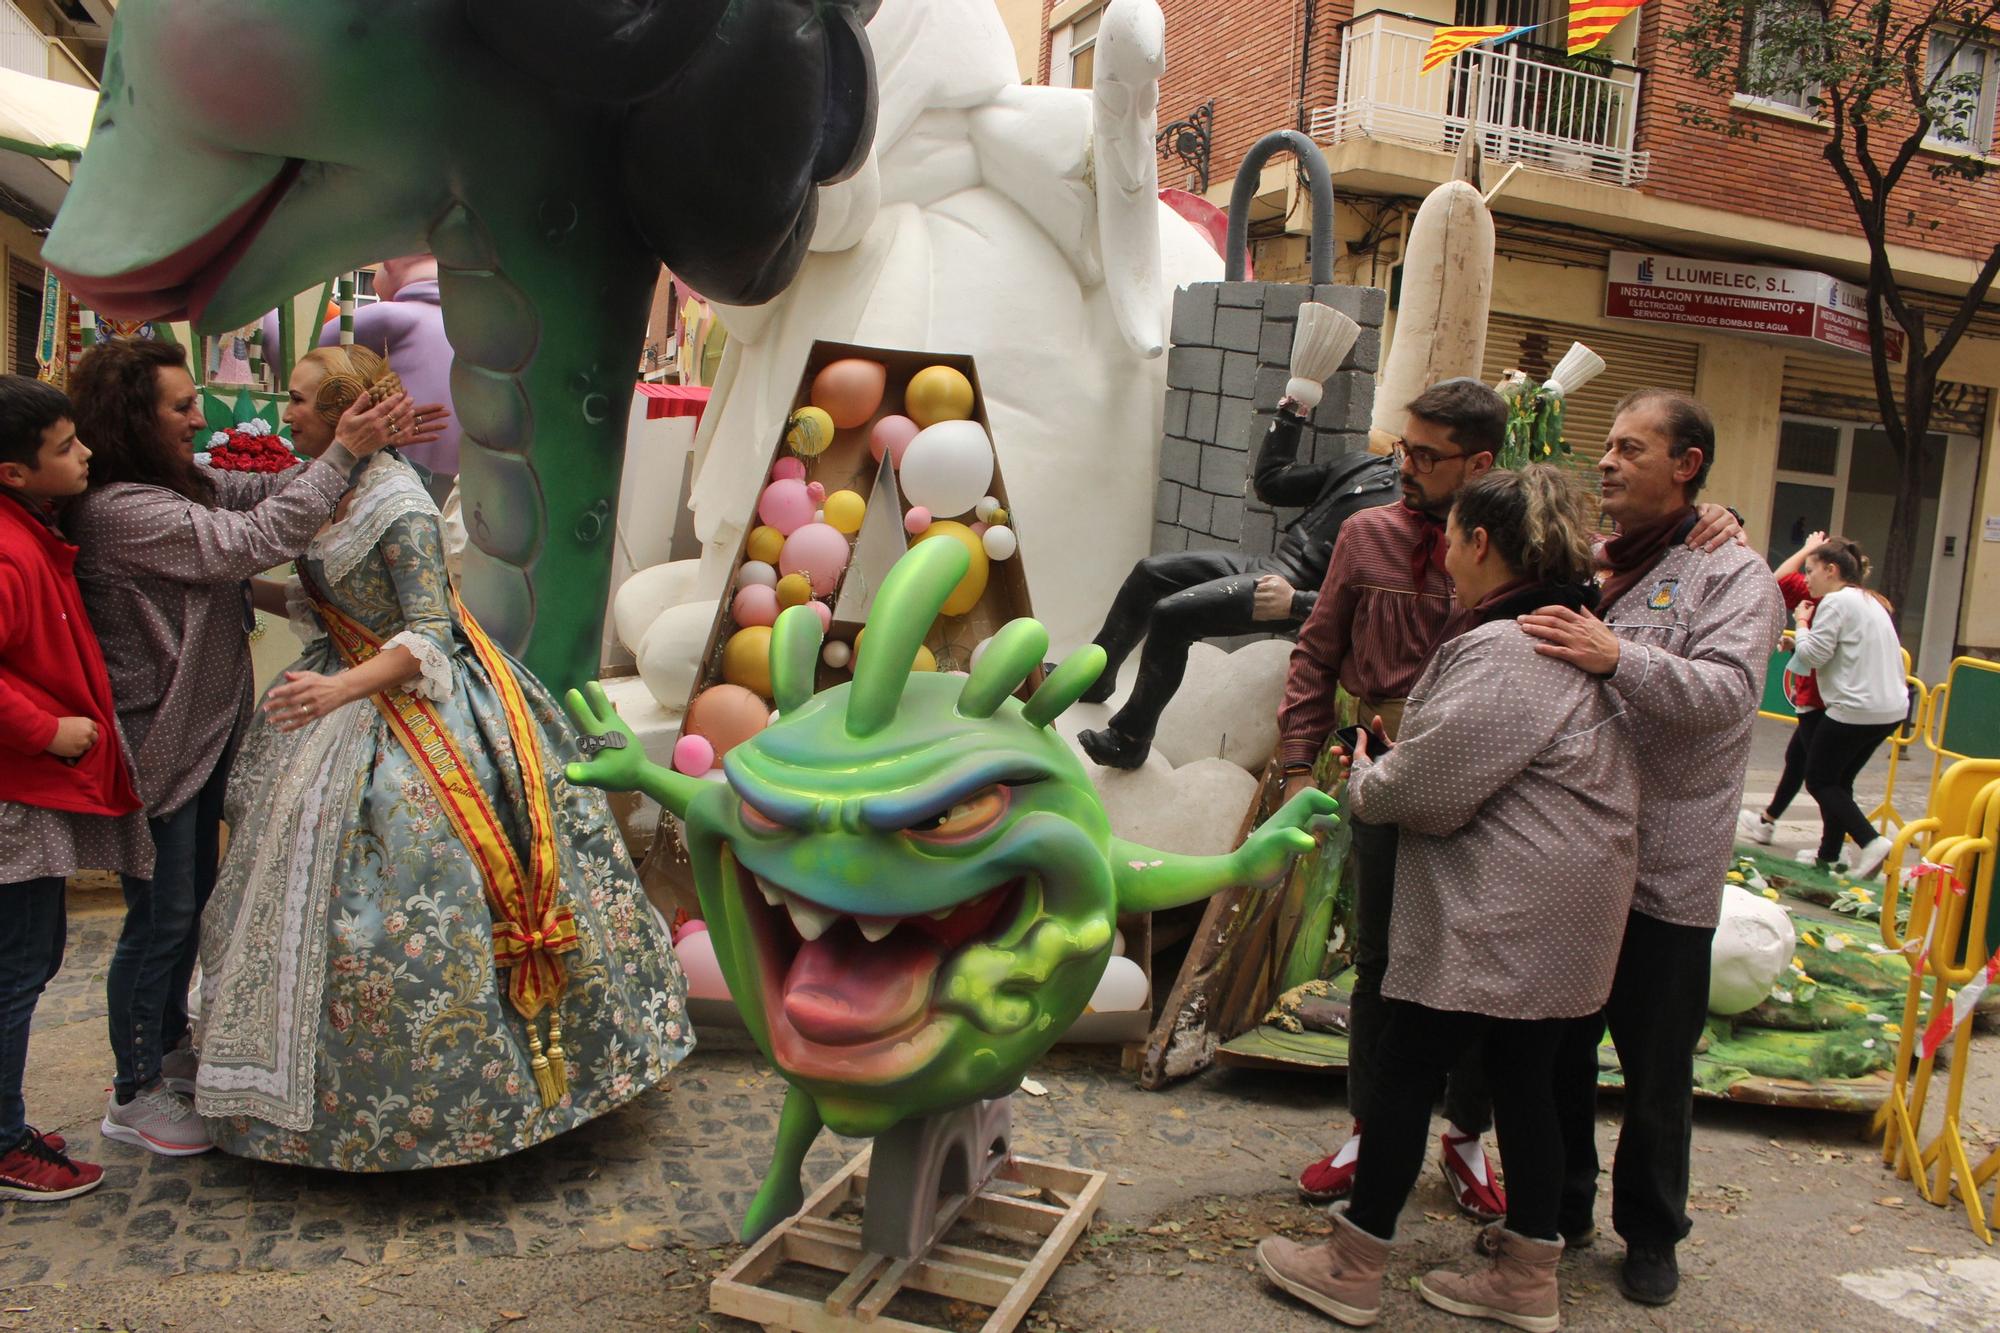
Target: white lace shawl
389	489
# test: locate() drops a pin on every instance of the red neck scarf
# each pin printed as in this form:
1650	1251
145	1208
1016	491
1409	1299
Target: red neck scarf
1636	550
1430	546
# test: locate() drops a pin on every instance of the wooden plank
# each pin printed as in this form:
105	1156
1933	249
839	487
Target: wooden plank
1021	1214
1042	1267
842	1298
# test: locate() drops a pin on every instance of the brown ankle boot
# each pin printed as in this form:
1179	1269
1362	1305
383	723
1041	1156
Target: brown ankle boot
1342	1278
1516	1286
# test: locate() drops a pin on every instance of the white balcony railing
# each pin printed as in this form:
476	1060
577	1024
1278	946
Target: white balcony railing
1555	117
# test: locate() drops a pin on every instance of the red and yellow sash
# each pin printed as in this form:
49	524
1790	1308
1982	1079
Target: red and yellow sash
530	926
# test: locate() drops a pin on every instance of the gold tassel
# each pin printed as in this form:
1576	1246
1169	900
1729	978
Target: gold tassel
548	1079
558	1062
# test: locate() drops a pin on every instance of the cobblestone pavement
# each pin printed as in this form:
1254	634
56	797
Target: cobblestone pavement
622	1223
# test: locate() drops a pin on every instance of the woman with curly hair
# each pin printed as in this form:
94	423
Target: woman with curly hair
166	547
426	947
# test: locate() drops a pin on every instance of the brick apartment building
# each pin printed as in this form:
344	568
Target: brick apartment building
1614	194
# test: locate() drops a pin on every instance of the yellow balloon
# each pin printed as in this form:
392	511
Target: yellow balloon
794	590
973	586
926	659
810	433
844	511
937	393
766	544
746	659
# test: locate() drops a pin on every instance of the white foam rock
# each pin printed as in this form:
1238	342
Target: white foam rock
1754	943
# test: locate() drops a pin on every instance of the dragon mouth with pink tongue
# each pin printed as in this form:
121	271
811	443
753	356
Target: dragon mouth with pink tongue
180	285
852	998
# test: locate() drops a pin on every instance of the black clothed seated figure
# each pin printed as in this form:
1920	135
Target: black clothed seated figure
1171	600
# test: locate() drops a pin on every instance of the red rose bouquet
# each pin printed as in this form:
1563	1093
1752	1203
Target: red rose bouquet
251	447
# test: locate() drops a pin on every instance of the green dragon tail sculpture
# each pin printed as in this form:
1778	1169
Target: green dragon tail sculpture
909	879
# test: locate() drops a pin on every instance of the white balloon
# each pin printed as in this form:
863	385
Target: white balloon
836	654
1000	542
1122	987
1753	946
756	572
1118	943
978	651
987	507
947	467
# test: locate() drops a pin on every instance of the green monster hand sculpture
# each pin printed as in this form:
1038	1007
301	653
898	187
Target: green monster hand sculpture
909	880
244	151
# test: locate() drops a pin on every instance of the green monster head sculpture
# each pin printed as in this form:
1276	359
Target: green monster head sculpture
243	151
910	882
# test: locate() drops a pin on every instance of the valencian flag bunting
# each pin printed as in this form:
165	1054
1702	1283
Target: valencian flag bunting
1448	42
1591	21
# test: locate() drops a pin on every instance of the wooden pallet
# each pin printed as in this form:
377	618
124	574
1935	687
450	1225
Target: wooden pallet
1055	1221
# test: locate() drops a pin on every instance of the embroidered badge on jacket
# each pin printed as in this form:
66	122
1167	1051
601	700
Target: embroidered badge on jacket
1663	596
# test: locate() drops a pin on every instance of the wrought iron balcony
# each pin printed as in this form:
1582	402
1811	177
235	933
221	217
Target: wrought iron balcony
1578	118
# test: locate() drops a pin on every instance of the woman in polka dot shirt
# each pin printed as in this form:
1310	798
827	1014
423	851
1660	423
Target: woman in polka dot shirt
1517	795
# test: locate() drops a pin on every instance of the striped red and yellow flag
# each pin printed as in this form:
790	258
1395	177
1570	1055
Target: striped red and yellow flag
1591	21
1448	42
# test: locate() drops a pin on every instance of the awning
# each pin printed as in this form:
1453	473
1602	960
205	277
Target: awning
44	118
673	400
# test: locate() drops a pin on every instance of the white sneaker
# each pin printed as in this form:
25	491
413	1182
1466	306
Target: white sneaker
1806	856
159	1120
1871	858
1755	827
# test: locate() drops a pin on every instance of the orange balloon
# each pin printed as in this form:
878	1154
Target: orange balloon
746	660
849	390
973	586
766	543
726	716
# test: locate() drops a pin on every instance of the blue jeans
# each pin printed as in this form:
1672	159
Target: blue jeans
33	924
156	953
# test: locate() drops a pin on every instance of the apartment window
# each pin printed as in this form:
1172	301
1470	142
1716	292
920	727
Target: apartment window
1774	72
1965	110
1075	56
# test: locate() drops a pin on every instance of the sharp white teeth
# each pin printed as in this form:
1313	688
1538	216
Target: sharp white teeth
876	929
810	921
942	913
771	895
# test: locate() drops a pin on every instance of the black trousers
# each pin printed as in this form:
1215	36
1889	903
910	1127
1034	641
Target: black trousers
1839	752
1658	1004
1467	1103
1793	779
1419	1046
1172	600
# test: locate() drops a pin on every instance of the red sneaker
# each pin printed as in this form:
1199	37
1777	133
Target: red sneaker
56	1141
1480	1200
35	1171
1329	1180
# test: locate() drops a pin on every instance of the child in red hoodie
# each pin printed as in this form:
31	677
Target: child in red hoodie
67	797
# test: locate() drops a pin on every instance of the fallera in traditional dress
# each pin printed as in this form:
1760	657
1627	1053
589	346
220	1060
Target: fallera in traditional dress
354	1014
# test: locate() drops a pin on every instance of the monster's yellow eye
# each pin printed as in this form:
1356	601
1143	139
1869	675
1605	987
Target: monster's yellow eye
756	821
969	818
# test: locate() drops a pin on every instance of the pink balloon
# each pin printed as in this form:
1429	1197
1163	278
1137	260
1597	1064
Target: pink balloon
918	520
978	528
825	614
818	550
693	755
694	926
755	605
788	469
817	492
894	434
786	506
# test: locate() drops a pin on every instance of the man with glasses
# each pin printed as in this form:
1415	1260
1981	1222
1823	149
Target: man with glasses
1385	607
1173	599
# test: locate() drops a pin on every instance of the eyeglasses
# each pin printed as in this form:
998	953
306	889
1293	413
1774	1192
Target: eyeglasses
1422	461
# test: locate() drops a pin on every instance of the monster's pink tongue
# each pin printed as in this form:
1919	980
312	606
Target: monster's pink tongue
842	990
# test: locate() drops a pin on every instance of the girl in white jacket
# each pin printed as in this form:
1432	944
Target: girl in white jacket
1850	641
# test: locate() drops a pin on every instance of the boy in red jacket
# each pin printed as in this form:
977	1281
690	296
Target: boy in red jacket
67	798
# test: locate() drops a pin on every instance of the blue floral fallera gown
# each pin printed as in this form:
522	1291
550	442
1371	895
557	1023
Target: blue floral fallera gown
352	1013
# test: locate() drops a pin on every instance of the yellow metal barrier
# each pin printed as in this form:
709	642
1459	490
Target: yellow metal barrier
1964	715
1946	940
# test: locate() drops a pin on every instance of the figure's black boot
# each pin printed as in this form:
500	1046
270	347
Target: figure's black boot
1112	748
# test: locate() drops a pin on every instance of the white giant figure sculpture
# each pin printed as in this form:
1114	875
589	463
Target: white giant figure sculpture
1019	224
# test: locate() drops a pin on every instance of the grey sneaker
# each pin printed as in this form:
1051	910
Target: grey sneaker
159	1120
178	1066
